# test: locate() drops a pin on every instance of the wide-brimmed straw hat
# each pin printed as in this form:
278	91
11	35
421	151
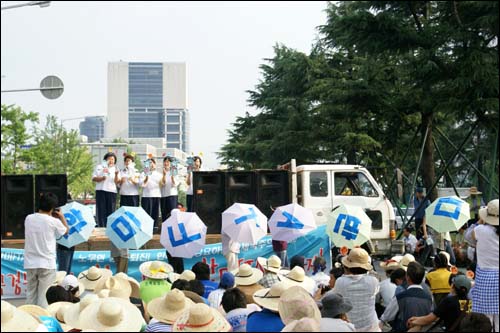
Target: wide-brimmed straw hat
303	325
157	270
297	277
117	286
187	275
34	310
269	297
406	260
169	307
391	264
247	275
358	257
272	264
201	318
473	190
71	282
112	315
72	313
92	276
489	214
296	303
15	320
57	310
193	296
134	284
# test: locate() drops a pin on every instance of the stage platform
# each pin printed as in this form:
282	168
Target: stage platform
99	241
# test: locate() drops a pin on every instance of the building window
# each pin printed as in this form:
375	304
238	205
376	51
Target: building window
173	138
173	128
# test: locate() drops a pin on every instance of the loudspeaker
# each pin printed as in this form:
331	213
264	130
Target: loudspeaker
240	187
57	184
209	198
17	203
272	190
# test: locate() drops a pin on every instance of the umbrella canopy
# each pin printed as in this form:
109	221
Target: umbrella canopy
183	234
348	226
80	221
447	214
244	223
290	222
129	227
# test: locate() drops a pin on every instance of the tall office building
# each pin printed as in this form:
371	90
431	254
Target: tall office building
148	100
93	128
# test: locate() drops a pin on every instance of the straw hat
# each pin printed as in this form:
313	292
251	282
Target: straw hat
34	310
194	297
14	320
117	286
103	293
296	303
169	307
473	191
303	325
72	313
489	214
272	264
59	277
112	315
391	264
187	275
155	269
71	282
297	277
201	318
358	257
134	284
90	277
406	260
269	297
247	275
57	310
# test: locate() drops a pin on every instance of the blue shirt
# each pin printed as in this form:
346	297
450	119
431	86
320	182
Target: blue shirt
421	213
264	321
51	323
209	287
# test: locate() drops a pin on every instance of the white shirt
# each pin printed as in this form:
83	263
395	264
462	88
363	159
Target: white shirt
168	189
128	188
411	240
387	291
360	290
229	245
108	184
40	233
335	325
152	187
215	297
486	246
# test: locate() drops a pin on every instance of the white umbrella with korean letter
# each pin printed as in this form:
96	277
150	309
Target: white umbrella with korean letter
129	227
183	234
290	222
348	226
80	221
447	214
244	223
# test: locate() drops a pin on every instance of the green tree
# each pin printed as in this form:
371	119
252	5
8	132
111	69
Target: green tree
14	135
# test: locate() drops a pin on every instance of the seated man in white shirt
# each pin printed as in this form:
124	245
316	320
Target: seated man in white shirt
410	240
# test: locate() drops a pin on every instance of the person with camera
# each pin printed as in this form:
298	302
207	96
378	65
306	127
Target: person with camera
41	231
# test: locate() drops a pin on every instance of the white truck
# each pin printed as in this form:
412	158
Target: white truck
322	187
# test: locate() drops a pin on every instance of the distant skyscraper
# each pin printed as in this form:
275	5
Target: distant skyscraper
93	128
148	100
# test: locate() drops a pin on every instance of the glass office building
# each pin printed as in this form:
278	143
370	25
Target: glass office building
92	128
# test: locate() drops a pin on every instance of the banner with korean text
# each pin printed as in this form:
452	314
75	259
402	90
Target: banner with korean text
315	243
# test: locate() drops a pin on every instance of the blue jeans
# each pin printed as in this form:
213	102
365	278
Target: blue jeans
64	258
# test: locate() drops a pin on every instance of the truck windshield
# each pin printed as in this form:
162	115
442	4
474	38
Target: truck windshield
353	183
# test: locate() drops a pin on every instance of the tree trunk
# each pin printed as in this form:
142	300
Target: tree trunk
428	169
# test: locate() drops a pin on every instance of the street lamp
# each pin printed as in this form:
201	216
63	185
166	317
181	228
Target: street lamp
42	4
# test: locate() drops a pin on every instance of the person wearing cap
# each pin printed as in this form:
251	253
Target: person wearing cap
439	277
412	302
334	309
165	310
475	202
272	265
360	289
215	297
202	272
418	201
106	176
155	285
450	309
267	320
485	293
246	279
71	284
235	305
40	233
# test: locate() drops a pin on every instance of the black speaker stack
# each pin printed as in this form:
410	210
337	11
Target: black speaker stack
20	197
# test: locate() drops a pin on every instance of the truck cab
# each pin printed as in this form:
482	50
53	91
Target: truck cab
324	187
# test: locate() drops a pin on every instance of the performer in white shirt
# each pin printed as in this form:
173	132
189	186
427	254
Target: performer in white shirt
151	194
129	183
106	176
